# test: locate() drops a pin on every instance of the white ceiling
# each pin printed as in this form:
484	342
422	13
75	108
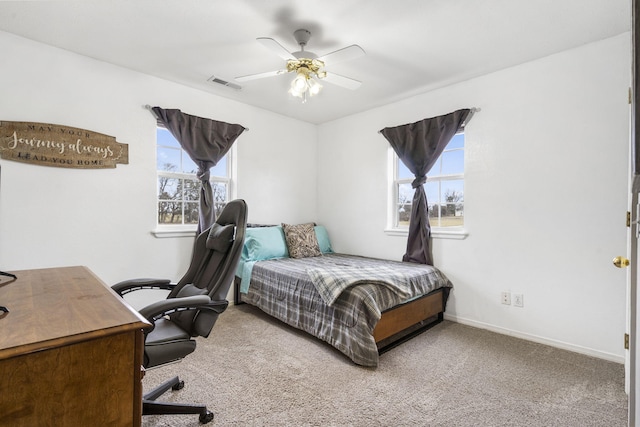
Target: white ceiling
412	46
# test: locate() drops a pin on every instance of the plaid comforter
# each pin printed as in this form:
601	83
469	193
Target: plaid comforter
331	282
284	288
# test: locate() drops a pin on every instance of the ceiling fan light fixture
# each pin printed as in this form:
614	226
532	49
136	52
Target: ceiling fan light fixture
304	84
299	83
307	66
314	87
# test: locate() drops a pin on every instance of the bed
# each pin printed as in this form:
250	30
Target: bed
361	306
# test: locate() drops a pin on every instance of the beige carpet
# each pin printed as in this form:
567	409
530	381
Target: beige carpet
256	371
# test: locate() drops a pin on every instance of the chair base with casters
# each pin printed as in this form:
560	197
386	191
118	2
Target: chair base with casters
151	407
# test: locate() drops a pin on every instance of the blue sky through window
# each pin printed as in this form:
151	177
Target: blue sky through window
444	187
451	161
170	153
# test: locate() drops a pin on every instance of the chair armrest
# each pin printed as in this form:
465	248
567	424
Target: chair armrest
218	306
171	305
131	285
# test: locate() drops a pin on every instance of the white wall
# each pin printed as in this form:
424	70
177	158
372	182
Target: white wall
103	218
545	195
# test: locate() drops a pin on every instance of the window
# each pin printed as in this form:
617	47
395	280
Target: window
444	188
178	185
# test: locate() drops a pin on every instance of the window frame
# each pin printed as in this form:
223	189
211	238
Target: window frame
393	227
189	230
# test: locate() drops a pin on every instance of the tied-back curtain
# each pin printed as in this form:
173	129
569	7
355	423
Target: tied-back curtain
419	145
206	141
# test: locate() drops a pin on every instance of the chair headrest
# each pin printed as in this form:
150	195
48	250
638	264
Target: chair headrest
221	237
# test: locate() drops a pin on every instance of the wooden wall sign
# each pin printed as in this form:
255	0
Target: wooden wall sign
60	146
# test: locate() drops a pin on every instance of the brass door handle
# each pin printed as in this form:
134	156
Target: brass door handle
620	262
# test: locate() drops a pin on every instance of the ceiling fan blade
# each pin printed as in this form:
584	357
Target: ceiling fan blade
276	47
346	53
242	79
343	81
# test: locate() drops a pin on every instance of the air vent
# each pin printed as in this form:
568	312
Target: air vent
216	80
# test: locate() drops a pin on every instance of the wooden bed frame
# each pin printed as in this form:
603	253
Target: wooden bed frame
400	323
403	322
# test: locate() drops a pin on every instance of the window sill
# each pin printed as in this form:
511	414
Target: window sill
171	232
436	233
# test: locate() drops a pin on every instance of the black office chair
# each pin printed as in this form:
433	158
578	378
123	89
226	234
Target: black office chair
193	305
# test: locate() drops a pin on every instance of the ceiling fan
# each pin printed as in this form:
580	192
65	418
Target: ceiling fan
308	66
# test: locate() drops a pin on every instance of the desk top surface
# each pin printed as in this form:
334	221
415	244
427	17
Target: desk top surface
53	307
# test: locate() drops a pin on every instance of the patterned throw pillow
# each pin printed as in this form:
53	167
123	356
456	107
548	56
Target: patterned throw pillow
301	240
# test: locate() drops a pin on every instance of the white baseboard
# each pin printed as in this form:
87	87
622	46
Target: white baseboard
540	340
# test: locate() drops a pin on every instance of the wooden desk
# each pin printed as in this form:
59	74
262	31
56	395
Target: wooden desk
70	351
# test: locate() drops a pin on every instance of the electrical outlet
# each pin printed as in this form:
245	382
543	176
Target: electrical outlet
518	300
505	298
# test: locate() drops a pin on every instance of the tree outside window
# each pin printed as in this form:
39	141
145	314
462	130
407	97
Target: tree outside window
178	185
444	188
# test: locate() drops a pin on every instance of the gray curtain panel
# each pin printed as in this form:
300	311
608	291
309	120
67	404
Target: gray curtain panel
206	141
418	145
